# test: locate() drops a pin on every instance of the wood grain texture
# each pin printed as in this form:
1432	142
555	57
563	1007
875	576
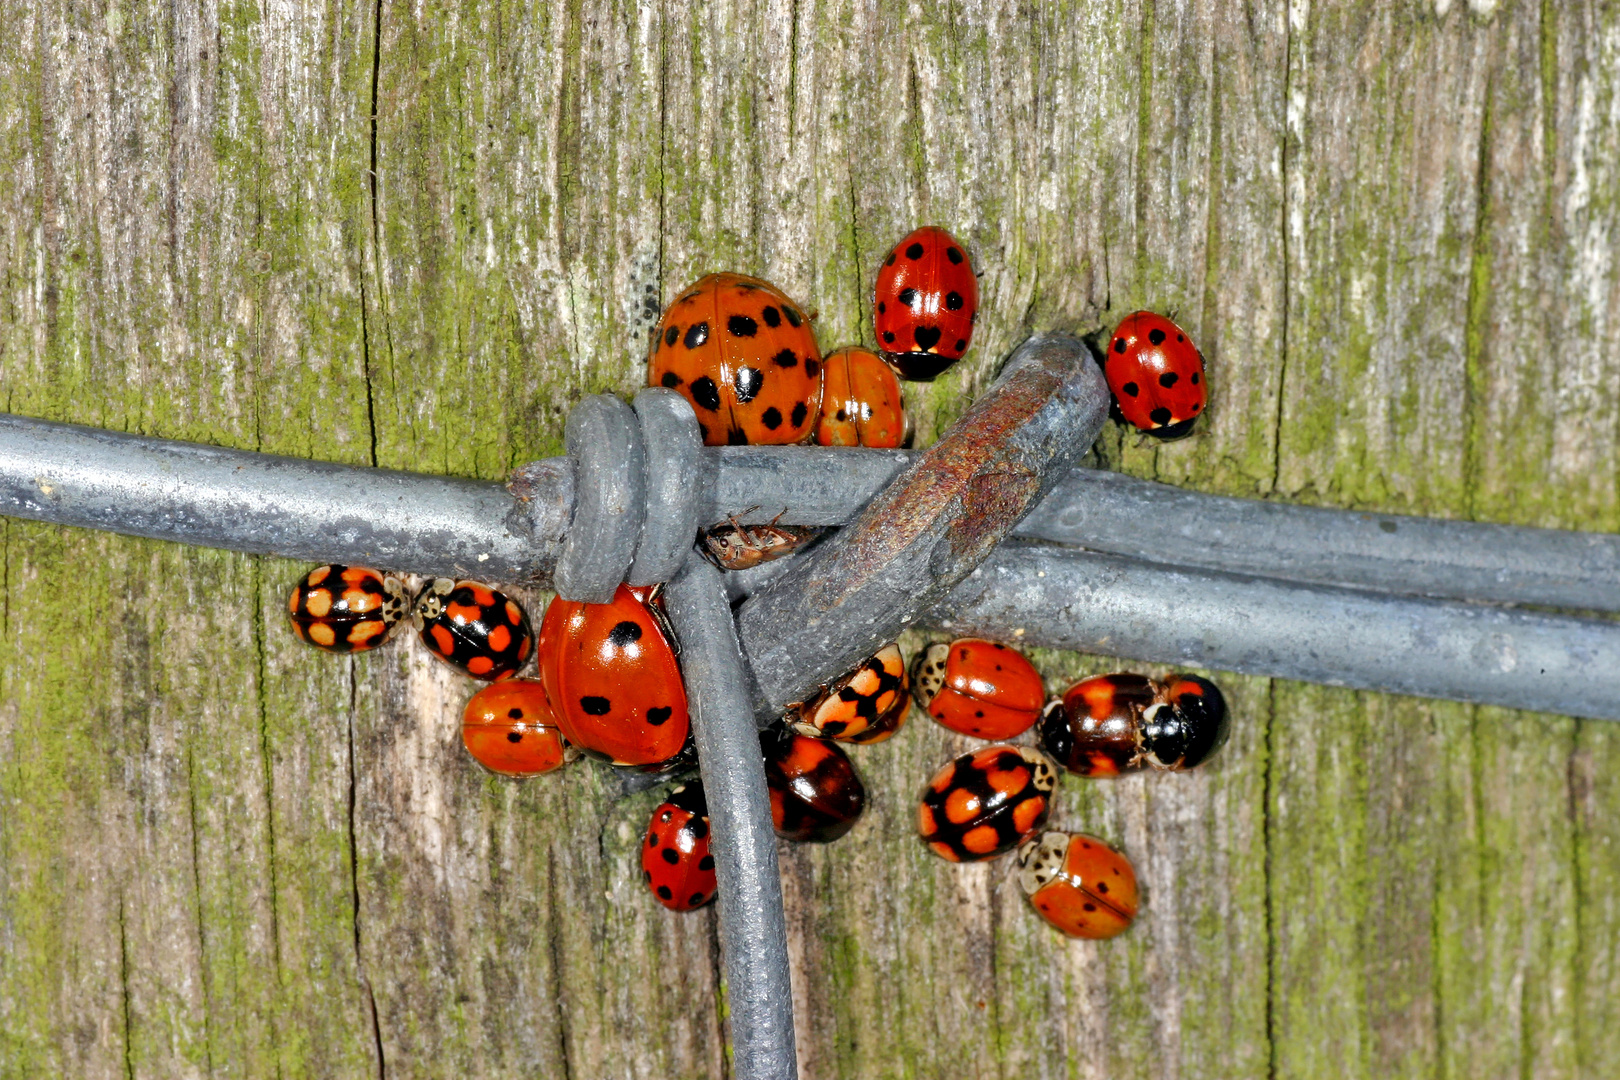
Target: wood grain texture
412	234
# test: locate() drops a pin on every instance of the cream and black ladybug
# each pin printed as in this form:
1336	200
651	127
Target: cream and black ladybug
1156	375
815	794
675	859
1078	884
346	608
865	706
611	672
984	803
473	628
980	688
509	728
926	302
1113	723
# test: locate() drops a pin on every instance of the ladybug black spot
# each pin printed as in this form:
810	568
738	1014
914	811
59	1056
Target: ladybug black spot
1131	389
785	358
515	714
800	411
657	715
908	297
703	432
706	394
652	838
961	345
672	335
671	856
954	255
793	317
953	300
514	736
772	418
927	337
670	380
1195	408
1102	886
748	382
888	337
595	706
742	326
664	893
1161	415
890	260
811	367
1119	345
623	633
1169	379
772	317
696	335
840	416
1091	907
915	251
1156	336
699	828
1181	337
882	307
1195	379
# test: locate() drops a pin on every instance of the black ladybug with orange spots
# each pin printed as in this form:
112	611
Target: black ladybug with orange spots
473	628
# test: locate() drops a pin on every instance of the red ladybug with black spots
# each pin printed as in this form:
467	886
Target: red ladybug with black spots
978	688
985	803
612	677
1078	884
675	859
346	608
1156	375
815	794
744	355
865	706
473	628
926	304
1110	724
509	729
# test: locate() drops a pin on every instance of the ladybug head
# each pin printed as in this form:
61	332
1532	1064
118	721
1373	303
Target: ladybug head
689	797
429	603
1188	726
928	672
1040	860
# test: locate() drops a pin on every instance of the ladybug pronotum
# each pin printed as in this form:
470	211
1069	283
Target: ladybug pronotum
1078	884
865	706
346	608
983	804
1109	724
473	628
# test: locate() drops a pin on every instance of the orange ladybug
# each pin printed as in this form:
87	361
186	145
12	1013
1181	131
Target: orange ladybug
983	804
509	729
346	608
744	355
865	706
927	300
610	672
1078	884
861	403
978	688
1156	374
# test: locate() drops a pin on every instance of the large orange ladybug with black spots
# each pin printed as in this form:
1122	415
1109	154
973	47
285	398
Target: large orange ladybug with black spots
927	300
346	608
861	403
985	803
1109	724
1078	884
473	628
509	729
815	793
611	672
865	706
978	688
744	355
675	859
1156	374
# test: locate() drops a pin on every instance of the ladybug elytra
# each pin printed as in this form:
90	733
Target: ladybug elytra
744	355
509	728
346	608
984	803
865	706
611	673
675	859
861	403
978	688
1108	724
473	628
815	794
927	300
1156	375
1078	884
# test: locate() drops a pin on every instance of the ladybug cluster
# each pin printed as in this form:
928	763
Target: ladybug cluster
609	683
